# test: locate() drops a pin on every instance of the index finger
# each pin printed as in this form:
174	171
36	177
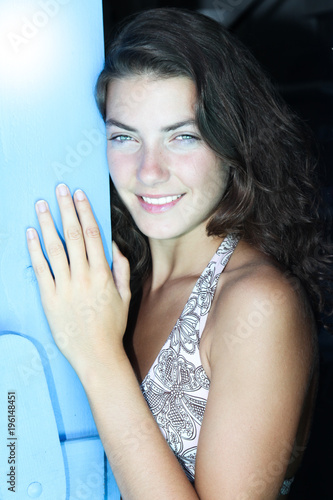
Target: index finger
90	230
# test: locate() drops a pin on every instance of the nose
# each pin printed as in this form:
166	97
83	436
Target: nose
152	167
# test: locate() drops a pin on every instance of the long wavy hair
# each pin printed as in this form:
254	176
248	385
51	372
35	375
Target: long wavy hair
270	200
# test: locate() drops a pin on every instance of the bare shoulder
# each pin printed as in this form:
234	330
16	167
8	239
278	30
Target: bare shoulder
258	350
258	305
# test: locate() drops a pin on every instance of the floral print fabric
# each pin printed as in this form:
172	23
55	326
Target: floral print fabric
176	387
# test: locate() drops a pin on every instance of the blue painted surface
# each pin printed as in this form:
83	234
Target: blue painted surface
51	52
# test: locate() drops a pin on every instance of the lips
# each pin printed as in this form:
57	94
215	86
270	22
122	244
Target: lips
164	200
157	204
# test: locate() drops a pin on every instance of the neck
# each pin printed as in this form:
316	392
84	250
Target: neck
181	257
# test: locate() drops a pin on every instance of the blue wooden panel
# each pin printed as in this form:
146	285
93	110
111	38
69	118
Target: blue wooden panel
51	52
31	457
112	491
85	460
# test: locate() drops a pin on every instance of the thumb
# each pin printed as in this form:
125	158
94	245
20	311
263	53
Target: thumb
121	272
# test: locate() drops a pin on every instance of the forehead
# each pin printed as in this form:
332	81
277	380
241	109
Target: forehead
139	97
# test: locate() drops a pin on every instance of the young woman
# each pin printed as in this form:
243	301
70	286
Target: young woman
201	386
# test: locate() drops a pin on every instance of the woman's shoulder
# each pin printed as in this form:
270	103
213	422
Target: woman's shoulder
251	276
259	305
259	353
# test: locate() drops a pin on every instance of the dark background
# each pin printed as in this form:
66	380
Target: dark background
293	40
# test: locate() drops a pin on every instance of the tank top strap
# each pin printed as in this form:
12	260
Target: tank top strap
225	251
176	387
206	285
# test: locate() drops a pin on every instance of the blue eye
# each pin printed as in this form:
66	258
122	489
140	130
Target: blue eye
187	138
121	138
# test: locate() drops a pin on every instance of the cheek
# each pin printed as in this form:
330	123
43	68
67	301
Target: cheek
213	178
208	170
192	168
119	168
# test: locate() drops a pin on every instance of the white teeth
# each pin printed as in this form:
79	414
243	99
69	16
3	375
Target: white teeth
160	201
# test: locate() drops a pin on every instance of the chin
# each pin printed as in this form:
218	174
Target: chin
160	233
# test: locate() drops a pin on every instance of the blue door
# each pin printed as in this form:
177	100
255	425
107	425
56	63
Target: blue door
51	52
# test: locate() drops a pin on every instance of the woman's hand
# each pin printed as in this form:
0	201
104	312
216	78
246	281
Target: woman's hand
86	305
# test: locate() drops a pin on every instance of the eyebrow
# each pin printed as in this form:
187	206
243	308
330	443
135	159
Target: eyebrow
169	128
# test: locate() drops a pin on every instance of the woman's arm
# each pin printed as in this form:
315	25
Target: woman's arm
257	385
261	358
86	307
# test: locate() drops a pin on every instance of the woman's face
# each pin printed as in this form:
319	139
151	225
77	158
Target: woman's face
165	174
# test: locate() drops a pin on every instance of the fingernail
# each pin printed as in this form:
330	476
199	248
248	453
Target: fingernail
79	195
62	189
41	206
30	234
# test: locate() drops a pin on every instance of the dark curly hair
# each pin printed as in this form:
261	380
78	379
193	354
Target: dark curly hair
270	200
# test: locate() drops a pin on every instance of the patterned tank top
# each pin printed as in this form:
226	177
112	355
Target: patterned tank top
176	387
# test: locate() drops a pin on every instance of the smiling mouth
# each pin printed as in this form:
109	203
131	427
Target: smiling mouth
159	204
164	200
